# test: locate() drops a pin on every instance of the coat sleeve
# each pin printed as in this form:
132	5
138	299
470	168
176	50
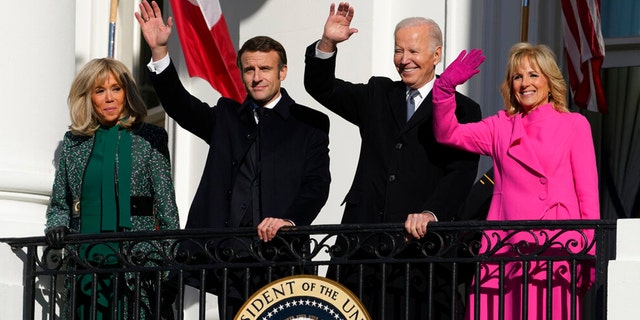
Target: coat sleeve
476	137
59	210
192	114
460	167
314	190
348	100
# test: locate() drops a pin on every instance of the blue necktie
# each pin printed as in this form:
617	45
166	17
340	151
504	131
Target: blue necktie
411	105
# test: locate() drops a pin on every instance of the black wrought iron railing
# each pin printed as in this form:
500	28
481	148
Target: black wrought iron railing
147	271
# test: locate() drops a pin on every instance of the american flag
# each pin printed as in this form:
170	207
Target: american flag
584	48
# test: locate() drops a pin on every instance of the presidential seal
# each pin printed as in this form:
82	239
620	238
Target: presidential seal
303	297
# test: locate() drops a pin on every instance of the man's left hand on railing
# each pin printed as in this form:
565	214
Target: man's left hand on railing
416	224
268	228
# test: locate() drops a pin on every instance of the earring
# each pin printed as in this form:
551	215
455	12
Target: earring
549	97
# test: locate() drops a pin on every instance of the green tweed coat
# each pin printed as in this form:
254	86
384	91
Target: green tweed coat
150	177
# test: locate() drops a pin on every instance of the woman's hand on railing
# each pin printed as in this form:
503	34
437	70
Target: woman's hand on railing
55	236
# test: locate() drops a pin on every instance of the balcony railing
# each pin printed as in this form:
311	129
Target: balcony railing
159	264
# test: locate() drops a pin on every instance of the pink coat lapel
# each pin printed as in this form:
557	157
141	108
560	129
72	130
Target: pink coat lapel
520	148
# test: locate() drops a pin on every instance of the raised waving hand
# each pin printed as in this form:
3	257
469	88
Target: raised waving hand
338	26
460	70
155	32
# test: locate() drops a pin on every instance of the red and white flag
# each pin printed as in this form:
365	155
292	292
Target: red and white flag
207	46
584	47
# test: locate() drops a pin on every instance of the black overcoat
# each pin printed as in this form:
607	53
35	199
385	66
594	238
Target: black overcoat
401	169
294	153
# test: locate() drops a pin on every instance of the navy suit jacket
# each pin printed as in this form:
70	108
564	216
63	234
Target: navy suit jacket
401	169
294	153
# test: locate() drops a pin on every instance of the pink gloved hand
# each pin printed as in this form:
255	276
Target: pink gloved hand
458	72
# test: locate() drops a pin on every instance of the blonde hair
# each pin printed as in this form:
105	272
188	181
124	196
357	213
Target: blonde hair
84	120
541	58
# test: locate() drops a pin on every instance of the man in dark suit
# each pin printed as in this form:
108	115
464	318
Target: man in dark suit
403	174
268	161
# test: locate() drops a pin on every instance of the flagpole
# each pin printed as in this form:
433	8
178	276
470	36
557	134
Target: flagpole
524	21
112	26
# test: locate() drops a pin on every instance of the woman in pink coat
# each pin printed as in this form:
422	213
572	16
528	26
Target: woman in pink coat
545	169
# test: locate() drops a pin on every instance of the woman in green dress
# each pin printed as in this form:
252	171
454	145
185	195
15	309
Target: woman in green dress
108	152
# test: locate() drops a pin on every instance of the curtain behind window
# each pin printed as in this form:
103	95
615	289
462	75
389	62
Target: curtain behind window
617	140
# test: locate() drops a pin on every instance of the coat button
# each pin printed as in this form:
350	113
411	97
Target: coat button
398	145
542	196
249	136
543	180
392	178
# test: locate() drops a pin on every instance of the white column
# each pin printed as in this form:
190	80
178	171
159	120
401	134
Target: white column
38	67
38	64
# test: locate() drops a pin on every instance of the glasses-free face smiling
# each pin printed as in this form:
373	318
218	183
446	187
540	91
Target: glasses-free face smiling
414	56
108	100
530	86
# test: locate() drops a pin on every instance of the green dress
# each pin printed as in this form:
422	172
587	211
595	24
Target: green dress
103	211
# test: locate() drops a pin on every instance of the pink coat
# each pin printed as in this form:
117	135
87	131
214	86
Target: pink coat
544	169
544	163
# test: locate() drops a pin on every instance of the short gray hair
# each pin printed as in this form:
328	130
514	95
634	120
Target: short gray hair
435	34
